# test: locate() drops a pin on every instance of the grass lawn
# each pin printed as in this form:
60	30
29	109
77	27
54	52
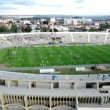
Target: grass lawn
55	56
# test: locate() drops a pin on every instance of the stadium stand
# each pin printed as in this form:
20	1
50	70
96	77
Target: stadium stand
97	37
108	39
80	37
19	39
65	92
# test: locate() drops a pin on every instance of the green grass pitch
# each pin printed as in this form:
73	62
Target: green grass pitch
55	56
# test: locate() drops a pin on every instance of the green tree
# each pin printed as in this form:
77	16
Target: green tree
44	29
92	29
3	29
101	27
104	26
14	28
37	28
54	30
83	29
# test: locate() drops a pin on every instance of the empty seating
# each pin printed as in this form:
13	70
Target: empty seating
19	39
80	37
97	38
108	39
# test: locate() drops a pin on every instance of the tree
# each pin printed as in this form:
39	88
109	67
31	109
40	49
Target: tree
22	28
14	28
45	22
3	29
37	28
107	25
11	22
44	29
83	29
101	27
54	30
28	28
92	29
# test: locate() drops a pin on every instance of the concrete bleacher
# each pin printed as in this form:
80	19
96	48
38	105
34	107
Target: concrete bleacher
4	43
65	37
108	39
80	37
19	39
97	37
65	92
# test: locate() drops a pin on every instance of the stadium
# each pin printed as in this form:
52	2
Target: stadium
52	49
19	91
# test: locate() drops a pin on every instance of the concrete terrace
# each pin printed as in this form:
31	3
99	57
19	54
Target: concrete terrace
49	91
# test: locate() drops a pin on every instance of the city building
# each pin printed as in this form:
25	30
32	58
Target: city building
76	21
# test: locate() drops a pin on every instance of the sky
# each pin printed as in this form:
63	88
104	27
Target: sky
58	7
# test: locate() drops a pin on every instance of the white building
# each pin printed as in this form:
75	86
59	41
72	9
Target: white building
7	20
77	21
70	21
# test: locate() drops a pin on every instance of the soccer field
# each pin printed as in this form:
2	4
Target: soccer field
55	56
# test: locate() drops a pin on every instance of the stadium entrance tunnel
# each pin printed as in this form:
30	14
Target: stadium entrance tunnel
63	108
13	107
38	107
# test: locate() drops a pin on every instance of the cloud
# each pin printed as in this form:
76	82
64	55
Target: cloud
67	7
79	1
18	2
52	5
8	7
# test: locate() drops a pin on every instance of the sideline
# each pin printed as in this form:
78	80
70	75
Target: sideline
4	68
